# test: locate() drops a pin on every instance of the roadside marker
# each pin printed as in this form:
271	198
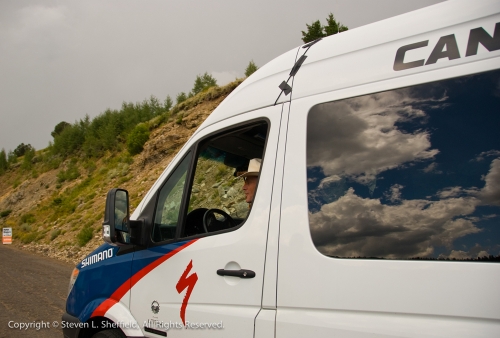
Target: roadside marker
7	236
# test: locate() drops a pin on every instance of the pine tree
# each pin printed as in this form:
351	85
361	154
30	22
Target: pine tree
3	162
203	82
59	128
28	158
333	27
168	103
22	149
155	105
251	68
181	97
11	158
314	32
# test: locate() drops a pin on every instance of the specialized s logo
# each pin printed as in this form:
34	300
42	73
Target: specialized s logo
186	282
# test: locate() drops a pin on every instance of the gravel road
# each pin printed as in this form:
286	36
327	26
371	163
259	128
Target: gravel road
33	289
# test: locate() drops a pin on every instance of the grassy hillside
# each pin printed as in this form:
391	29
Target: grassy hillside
55	204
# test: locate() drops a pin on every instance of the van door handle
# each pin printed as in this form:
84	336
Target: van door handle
236	273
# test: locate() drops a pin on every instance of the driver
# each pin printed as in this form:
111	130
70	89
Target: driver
251	178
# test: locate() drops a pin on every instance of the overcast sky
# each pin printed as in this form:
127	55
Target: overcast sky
62	59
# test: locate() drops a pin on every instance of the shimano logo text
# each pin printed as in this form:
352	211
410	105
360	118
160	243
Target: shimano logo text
97	257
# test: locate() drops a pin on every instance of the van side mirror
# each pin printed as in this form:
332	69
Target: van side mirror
117	228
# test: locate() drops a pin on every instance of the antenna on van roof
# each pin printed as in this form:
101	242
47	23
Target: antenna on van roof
284	86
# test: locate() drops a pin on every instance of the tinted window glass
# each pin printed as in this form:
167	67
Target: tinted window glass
412	173
169	203
219	196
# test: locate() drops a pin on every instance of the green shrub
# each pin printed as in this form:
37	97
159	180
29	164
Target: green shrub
28	158
124	179
28	218
90	167
22	149
58	129
52	161
203	82
11	158
137	138
25	227
54	234
181	97
16	183
90	196
28	238
179	119
125	158
5	213
4	164
167	104
70	174
84	236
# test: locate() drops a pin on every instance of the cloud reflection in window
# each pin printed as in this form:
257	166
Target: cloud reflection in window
388	178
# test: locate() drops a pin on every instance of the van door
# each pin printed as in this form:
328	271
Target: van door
390	220
203	270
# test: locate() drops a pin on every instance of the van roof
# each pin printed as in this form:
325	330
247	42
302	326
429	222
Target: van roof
362	55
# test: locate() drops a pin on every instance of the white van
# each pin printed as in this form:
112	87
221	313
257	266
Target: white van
377	209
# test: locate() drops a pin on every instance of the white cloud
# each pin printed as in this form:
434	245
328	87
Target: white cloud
471	254
432	168
353	226
325	181
456	254
483	254
395	193
490	194
450	192
362	140
488	153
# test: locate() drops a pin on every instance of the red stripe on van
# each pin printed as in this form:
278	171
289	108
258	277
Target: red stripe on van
101	310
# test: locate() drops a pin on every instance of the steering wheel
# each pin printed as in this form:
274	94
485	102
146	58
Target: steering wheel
211	222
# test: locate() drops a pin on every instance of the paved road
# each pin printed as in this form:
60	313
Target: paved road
32	289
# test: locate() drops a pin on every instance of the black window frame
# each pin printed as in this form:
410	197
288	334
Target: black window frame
195	150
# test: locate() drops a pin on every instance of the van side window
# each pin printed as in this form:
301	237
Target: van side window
217	199
411	173
169	203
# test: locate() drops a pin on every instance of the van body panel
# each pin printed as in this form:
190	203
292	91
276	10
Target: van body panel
92	287
231	300
432	294
119	313
316	323
272	250
328	68
265	324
